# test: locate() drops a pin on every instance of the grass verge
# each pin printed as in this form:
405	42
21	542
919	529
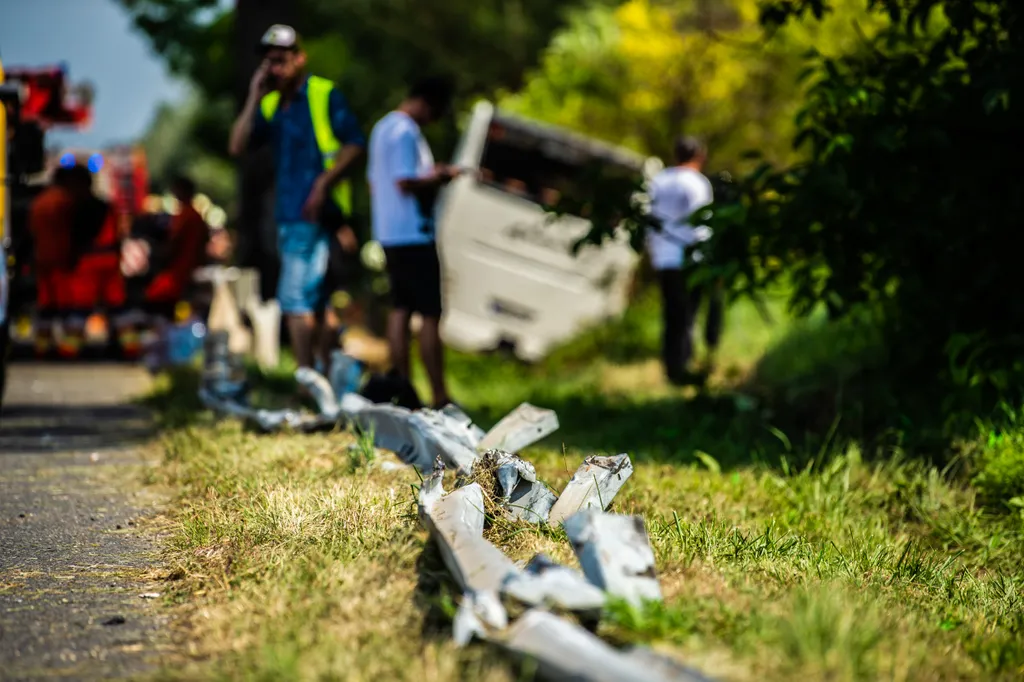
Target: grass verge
300	557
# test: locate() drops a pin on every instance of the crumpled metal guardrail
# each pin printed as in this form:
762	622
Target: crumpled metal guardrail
613	549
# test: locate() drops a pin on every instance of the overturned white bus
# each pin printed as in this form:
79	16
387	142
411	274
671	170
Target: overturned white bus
510	277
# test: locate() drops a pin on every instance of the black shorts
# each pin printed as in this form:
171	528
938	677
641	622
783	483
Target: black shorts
343	269
414	273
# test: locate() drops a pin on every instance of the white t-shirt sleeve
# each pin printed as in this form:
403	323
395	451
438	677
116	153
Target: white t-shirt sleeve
397	152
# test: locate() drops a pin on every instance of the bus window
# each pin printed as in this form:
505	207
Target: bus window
535	166
520	170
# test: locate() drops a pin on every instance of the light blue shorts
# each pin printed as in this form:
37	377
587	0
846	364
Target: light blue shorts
305	249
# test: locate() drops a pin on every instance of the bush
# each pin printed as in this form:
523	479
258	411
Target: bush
1000	476
904	183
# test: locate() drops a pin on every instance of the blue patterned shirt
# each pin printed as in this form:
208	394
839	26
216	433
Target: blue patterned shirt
297	157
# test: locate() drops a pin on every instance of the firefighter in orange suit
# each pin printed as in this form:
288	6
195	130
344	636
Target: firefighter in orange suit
95	280
50	223
184	253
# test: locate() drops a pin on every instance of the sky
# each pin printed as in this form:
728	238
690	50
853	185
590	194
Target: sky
97	41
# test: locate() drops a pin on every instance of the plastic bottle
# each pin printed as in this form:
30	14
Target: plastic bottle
185	341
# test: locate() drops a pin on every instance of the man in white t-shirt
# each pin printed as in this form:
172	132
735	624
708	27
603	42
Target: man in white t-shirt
404	183
676	194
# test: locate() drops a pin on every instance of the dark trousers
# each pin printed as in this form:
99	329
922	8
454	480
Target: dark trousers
679	305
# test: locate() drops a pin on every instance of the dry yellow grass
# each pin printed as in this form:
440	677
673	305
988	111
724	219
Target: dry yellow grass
301	557
299	560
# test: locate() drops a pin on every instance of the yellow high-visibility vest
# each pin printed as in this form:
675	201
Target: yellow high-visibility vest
318	92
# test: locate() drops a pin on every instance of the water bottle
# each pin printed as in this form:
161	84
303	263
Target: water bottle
154	344
223	372
185	341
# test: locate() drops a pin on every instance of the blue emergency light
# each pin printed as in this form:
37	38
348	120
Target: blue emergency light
95	163
67	160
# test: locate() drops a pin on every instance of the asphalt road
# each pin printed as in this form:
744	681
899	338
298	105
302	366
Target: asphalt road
80	567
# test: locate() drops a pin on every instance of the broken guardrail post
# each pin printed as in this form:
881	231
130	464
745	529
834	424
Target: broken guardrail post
456	522
479	613
275	420
523	497
320	388
594	485
224	389
615	554
474	433
565	651
520	428
613	550
416	437
546	583
453	436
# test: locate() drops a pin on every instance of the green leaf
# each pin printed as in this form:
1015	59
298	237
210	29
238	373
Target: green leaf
996	100
949	623
709	462
783	438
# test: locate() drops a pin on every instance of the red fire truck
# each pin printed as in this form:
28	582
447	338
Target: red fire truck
47	101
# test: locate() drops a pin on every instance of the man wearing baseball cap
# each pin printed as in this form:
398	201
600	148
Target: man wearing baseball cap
316	138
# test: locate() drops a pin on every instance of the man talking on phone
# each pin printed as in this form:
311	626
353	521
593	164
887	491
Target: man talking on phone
316	138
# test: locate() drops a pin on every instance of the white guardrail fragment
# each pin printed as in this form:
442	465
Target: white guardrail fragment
594	485
417	437
565	651
320	388
523	497
546	583
615	554
456	521
478	614
520	428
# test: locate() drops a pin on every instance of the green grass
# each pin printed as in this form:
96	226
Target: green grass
783	553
